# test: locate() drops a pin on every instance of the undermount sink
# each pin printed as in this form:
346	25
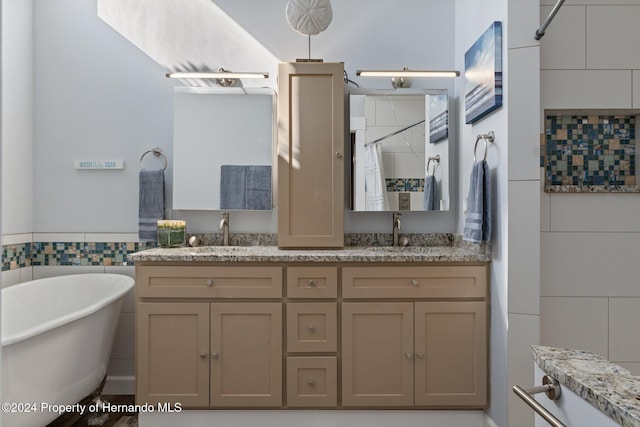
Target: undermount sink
411	249
219	249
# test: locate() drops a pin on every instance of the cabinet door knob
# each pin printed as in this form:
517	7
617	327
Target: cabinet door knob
311	328
312	283
203	355
210	282
409	355
420	355
414	282
339	154
311	383
215	355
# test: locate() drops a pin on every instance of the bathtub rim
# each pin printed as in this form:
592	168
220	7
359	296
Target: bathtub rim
63	320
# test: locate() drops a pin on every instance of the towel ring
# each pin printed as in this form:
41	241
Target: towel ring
157	151
488	137
435	161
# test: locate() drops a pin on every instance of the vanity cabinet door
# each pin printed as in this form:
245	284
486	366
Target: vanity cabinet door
173	353
377	354
246	354
310	154
451	354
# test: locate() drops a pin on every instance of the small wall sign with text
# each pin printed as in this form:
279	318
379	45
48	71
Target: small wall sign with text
98	164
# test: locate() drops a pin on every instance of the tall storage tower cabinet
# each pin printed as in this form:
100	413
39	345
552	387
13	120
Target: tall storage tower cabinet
310	155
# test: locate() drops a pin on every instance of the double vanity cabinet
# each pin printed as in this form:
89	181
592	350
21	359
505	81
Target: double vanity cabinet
287	333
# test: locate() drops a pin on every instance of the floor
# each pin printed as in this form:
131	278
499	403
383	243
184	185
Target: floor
112	419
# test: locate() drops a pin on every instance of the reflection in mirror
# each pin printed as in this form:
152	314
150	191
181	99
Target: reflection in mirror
400	150
222	148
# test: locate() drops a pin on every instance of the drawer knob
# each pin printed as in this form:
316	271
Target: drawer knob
312	283
203	355
414	282
420	355
311	383
210	282
215	355
311	328
409	355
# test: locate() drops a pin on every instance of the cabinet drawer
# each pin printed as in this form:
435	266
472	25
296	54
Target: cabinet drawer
312	326
312	282
209	282
414	282
312	382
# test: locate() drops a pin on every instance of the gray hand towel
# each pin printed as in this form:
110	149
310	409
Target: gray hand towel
430	194
232	187
477	223
151	203
258	188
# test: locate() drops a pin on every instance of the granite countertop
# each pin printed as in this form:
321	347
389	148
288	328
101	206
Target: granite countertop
431	248
348	254
613	390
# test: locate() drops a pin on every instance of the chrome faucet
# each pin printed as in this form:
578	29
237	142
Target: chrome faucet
224	226
396	227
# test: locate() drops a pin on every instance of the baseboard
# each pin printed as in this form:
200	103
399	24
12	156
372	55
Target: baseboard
314	418
488	422
119	385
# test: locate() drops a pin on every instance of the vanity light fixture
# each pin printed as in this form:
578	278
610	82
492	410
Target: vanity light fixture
223	77
402	78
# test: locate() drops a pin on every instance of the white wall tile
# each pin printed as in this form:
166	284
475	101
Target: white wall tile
124	342
563	44
409	165
522	14
589	264
636	89
16	239
58	237
127	270
613	46
26	274
578	323
585	89
41	271
111	237
633	367
589	2
524	247
545	205
610	212
121	367
624	334
10	278
524	331
524	104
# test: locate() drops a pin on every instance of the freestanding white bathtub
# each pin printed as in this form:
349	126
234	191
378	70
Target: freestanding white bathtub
57	335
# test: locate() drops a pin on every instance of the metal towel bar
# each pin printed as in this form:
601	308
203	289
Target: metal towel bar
540	31
551	388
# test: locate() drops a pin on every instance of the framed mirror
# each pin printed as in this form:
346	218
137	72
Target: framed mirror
400	150
223	148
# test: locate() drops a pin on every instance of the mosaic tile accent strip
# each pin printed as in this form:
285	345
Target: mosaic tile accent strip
594	153
404	184
70	253
16	256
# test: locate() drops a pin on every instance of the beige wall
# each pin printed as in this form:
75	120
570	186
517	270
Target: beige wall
589	293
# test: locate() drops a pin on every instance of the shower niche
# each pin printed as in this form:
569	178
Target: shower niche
401	149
